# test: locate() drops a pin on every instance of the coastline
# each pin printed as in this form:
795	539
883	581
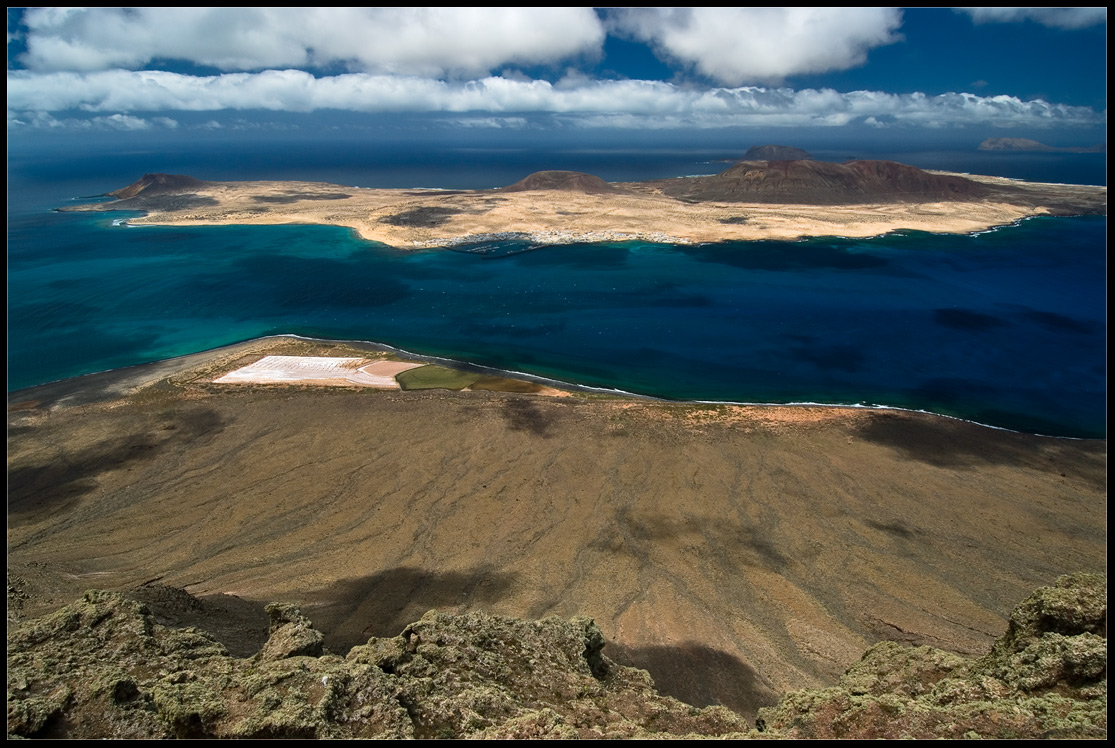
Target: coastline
631	211
771	540
206	366
778	223
455	211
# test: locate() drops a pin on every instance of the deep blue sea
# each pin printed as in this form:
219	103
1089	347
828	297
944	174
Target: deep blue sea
1005	327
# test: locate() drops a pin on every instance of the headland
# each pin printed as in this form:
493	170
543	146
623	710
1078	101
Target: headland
751	200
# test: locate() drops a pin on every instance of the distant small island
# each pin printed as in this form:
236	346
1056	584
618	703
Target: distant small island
1025	144
773	198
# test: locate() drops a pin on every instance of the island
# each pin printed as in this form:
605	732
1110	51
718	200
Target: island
750	200
1028	145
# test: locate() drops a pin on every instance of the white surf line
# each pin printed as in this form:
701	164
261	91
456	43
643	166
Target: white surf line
654	398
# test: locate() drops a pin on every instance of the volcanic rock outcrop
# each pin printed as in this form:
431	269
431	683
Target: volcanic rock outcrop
102	667
1046	677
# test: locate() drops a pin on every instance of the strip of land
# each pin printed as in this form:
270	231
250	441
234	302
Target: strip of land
735	552
749	201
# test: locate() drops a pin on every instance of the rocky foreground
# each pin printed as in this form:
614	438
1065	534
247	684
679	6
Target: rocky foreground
104	667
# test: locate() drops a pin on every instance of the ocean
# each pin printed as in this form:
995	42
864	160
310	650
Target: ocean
1005	327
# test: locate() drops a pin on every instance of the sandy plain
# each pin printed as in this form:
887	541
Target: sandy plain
409	218
735	552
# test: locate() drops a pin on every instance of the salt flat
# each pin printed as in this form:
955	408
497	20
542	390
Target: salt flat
320	370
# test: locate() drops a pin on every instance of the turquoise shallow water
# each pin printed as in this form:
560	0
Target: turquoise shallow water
1005	327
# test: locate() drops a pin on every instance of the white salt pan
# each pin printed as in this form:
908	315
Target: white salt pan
320	370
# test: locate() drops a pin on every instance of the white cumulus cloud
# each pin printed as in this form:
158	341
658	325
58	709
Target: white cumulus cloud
1062	18
408	41
122	122
761	45
497	100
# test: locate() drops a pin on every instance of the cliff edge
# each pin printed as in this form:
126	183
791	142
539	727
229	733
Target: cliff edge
103	667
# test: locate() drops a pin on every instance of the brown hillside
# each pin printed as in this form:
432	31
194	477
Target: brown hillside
823	183
736	553
566	181
158	184
775	153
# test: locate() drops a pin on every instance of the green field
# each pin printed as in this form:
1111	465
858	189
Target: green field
433	377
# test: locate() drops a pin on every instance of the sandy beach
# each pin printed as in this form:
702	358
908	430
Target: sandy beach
415	218
736	552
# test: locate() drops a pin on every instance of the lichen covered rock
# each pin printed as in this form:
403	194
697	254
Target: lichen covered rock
102	668
291	634
1046	677
1056	641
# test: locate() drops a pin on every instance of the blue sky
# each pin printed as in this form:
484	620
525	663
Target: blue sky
992	72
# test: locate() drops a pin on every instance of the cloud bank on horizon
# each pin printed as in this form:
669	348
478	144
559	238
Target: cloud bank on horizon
143	68
1063	18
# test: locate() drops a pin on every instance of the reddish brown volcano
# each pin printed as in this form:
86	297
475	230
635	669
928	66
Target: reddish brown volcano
566	181
159	184
823	183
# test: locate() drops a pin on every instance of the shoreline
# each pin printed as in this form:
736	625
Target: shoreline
545	214
779	540
110	384
799	229
538	240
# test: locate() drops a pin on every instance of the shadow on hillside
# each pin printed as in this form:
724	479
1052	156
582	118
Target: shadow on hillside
699	675
729	544
524	415
241	625
956	444
60	480
351	611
